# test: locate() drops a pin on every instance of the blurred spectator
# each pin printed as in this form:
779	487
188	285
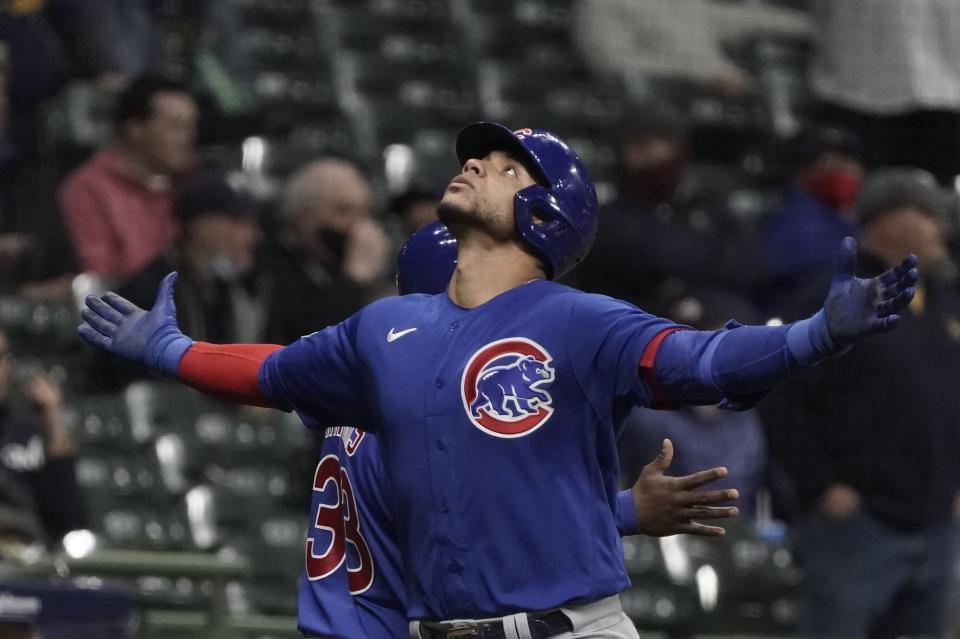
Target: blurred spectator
801	239
703	436
214	254
870	441
117	205
637	40
654	242
198	41
40	499
49	41
14	246
417	207
332	255
890	71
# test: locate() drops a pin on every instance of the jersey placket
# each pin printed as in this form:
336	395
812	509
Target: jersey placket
443	407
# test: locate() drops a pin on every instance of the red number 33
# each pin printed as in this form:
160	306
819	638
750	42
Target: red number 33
342	521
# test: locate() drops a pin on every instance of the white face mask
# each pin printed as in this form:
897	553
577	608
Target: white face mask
223	268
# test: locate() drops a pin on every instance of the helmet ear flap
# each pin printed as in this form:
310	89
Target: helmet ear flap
549	234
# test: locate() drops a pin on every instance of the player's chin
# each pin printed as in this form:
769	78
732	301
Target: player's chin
455	211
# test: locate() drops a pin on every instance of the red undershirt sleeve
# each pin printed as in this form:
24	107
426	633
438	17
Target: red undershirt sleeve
226	371
647	369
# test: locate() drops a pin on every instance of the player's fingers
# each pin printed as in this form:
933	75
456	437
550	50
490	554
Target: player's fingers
96	322
104	310
884	324
703	530
121	304
889	292
662	461
709	512
910	262
93	337
165	292
900	301
701	478
905	271
891	275
710	497
847	260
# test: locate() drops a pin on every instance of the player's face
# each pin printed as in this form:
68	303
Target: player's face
482	194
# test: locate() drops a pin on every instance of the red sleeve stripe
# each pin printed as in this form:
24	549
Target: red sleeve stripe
226	371
647	362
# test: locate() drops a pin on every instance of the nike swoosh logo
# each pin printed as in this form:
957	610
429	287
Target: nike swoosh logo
393	336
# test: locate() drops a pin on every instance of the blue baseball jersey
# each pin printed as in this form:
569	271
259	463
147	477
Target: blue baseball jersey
352	584
498	425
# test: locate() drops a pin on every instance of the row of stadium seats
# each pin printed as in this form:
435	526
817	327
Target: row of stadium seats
352	78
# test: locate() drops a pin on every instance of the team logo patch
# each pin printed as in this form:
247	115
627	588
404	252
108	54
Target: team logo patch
503	387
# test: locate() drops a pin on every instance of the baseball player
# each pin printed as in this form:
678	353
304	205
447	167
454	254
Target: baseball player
498	403
359	592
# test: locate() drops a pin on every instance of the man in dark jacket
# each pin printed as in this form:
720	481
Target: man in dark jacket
870	441
215	256
332	254
659	240
40	499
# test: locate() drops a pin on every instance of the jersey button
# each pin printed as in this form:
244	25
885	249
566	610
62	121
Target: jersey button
454	326
438	383
455	567
440	444
444	507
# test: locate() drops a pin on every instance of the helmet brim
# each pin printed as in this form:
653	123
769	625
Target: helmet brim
476	140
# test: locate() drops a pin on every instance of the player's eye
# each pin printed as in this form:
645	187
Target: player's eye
510	171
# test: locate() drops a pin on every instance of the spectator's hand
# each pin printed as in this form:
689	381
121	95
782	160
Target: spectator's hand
668	505
14	247
367	250
857	307
43	393
733	82
118	326
839	501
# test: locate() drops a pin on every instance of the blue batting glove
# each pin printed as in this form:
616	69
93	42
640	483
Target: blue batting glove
857	307
854	307
118	326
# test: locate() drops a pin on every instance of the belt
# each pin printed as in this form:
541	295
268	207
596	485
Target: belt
542	625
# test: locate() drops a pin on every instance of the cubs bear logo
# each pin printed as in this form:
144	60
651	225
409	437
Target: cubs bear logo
502	387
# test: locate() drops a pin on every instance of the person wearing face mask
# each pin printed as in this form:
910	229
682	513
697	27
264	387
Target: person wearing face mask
215	256
331	256
870	440
660	239
800	239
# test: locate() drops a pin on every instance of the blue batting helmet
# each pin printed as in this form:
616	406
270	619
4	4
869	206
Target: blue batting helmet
564	197
427	260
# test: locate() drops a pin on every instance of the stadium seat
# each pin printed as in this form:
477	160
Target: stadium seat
275	552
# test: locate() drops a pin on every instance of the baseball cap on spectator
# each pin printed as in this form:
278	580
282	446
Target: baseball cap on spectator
810	143
653	119
208	192
418	191
887	190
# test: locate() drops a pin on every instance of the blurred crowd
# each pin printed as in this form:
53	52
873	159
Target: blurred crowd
856	456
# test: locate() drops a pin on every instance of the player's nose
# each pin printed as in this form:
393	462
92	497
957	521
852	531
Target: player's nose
473	165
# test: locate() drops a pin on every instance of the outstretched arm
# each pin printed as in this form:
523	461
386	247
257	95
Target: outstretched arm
659	505
738	366
153	339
